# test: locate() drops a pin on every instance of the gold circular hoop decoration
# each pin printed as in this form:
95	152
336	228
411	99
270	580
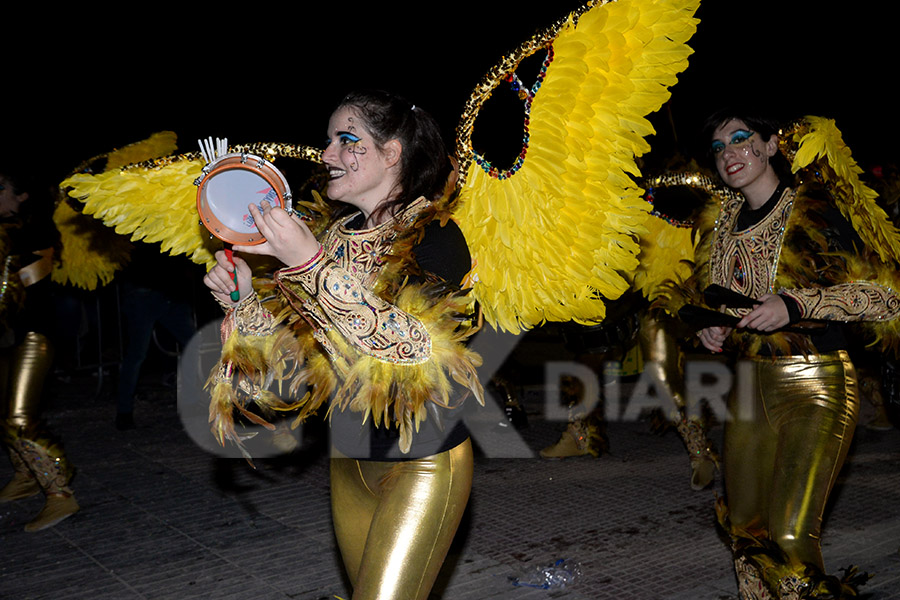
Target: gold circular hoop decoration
499	74
689	179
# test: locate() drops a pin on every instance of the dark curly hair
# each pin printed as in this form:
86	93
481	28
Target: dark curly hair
424	161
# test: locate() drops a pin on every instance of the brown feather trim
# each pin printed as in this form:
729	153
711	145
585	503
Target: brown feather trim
382	391
807	259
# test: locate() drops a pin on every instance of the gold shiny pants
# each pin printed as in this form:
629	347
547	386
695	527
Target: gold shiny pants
394	521
782	459
23	370
663	355
660	348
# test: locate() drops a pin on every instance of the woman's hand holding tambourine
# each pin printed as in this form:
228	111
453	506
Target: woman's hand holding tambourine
287	237
220	279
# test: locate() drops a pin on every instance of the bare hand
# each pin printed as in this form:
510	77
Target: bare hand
713	338
219	278
770	315
287	237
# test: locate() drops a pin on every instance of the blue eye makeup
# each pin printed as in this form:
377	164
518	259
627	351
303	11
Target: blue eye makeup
738	138
348	138
344	138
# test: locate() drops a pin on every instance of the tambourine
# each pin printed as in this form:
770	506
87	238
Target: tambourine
230	184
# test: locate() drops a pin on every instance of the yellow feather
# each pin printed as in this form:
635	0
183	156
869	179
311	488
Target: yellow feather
151	204
155	200
159	144
91	253
666	250
816	144
587	125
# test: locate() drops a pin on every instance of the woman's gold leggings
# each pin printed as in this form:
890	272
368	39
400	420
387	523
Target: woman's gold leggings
394	521
23	370
782	459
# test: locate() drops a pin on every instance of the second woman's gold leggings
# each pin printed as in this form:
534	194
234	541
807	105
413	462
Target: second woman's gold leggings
782	459
394	521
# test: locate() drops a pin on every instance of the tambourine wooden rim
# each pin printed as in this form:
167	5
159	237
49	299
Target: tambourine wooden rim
258	167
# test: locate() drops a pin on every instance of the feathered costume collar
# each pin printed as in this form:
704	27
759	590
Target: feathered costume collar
295	358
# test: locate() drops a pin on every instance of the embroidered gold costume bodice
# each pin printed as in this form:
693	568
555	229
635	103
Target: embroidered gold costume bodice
353	329
747	261
336	295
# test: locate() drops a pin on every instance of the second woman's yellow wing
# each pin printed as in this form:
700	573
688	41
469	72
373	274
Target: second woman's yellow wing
816	149
556	233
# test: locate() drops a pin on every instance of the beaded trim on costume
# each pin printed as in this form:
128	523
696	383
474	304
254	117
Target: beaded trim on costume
250	320
341	283
689	179
527	96
746	261
499	74
267	150
847	302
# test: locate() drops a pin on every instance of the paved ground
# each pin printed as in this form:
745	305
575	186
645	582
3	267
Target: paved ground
164	519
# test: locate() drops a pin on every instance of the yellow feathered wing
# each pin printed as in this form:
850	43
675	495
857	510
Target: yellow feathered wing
817	142
156	200
91	252
553	238
150	203
666	253
817	151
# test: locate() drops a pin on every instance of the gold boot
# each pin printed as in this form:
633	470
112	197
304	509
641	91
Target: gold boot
703	471
57	507
582	437
871	389
22	485
26	368
565	446
704	461
52	471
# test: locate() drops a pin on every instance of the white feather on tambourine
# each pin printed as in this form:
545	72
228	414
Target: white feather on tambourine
229	183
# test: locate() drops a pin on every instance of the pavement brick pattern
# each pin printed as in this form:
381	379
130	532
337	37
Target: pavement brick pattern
164	519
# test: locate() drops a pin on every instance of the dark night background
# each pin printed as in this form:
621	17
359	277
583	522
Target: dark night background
95	79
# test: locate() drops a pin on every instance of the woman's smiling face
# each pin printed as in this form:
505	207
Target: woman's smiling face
359	173
741	157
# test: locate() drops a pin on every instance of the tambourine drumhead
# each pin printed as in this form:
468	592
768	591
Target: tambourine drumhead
234	182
